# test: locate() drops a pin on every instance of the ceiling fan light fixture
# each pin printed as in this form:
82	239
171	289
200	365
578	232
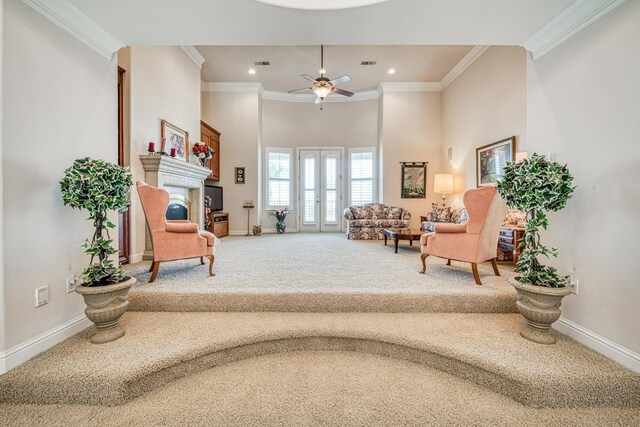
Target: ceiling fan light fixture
322	71
321	91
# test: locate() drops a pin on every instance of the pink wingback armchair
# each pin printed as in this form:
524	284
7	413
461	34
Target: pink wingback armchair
474	241
172	239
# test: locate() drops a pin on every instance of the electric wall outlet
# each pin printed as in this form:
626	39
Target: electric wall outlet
42	296
71	284
573	283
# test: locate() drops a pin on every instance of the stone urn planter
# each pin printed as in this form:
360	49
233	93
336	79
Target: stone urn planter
540	307
105	307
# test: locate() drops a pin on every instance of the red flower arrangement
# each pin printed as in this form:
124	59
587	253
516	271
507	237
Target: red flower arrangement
202	151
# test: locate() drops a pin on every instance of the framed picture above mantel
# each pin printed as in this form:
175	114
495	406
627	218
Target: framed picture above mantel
174	138
491	160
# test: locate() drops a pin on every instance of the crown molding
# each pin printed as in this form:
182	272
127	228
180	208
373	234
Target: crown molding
71	19
464	63
410	86
195	56
567	23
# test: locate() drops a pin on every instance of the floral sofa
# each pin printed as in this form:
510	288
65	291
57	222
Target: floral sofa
366	222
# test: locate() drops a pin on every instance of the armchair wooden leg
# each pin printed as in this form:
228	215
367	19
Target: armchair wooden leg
201	260
494	264
211	258
151	266
423	257
156	265
448	262
476	276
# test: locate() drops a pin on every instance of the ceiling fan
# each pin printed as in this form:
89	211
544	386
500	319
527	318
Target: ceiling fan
322	86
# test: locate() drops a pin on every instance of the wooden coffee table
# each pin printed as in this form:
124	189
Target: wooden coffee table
397	234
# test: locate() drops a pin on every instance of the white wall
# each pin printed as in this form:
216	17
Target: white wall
2	315
584	108
485	104
236	115
59	103
338	124
412	132
164	83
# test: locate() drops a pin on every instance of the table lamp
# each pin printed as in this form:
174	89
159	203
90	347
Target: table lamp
443	183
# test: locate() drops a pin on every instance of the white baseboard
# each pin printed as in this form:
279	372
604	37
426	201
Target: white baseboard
135	258
620	354
264	231
19	354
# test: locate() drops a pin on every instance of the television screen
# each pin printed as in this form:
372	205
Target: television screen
215	192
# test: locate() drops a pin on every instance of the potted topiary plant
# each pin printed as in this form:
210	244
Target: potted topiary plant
99	187
536	186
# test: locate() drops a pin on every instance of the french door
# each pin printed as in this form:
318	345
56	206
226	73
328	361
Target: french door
320	190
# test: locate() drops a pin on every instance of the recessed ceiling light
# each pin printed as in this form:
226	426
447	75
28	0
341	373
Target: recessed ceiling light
252	71
391	71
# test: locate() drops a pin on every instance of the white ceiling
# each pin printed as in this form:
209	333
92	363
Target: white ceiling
412	64
393	22
421	39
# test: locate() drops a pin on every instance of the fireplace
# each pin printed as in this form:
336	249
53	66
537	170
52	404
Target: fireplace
185	184
178	207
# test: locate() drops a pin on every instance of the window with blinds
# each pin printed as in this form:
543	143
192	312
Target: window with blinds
361	176
278	178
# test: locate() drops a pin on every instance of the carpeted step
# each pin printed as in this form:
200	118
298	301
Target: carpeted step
161	347
150	299
311	273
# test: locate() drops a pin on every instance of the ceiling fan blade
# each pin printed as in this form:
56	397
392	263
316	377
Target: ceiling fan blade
318	100
304	89
340	80
342	91
308	77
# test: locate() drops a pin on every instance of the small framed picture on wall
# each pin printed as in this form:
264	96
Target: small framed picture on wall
240	175
491	160
175	141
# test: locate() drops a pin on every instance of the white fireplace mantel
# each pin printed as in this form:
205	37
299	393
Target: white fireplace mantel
176	175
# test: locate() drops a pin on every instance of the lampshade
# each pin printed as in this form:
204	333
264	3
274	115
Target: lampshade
443	183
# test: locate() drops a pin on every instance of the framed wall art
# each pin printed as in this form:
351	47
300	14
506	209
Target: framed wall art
240	175
176	139
491	160
414	180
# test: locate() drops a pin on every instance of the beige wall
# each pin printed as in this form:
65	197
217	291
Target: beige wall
584	109
236	115
411	127
485	104
59	103
164	83
338	124
2	315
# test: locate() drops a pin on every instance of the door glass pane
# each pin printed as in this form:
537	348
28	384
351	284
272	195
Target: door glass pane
330	172
309	206
309	173
330	203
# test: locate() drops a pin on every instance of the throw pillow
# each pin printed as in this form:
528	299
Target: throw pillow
458	216
439	214
378	211
359	212
428	226
394	213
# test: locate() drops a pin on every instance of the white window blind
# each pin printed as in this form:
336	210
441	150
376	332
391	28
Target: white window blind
361	177
278	178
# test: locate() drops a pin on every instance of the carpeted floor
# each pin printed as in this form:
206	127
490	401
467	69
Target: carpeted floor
320	272
318	389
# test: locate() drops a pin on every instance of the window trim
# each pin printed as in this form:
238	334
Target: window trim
374	177
288	151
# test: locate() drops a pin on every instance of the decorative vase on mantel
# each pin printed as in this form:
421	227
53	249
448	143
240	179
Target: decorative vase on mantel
540	307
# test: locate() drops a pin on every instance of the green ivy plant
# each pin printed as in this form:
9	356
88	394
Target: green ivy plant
536	186
98	186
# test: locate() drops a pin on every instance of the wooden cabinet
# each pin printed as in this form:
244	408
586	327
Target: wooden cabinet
509	241
211	137
219	224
